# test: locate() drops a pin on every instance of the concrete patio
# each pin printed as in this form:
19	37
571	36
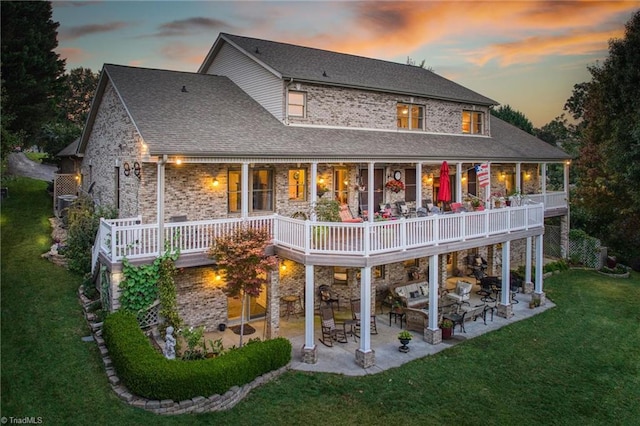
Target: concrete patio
340	358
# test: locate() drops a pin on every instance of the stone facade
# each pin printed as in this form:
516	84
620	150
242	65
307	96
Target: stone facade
355	108
201	300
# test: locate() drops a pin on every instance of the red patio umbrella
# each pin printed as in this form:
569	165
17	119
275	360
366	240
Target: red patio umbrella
444	193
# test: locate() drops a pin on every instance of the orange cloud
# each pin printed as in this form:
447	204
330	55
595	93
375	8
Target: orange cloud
73	54
183	53
390	29
533	49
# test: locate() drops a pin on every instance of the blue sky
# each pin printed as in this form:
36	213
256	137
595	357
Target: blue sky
527	54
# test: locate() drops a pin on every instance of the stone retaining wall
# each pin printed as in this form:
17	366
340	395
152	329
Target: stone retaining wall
198	404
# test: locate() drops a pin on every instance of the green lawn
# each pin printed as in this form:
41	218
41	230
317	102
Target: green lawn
577	364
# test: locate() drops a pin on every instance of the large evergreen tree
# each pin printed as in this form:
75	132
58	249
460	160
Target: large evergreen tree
608	194
31	70
515	117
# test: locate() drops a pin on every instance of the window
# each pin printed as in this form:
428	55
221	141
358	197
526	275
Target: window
234	190
472	122
410	116
341	186
297	184
262	184
410	184
297	102
261	196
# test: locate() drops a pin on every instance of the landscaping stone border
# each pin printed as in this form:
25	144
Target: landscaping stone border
198	404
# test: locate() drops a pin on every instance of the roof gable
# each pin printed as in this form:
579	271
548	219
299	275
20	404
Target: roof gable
332	68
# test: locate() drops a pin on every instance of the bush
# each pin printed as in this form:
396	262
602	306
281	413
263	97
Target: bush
146	373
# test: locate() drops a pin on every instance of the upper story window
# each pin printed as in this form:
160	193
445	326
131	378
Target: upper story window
472	122
297	104
410	116
297	184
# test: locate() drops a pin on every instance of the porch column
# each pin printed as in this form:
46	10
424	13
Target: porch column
487	189
160	203
272	317
528	285
309	351
566	220
314	190
370	185
518	177
418	185
458	182
433	333
505	309
365	357
543	179
538	293
245	190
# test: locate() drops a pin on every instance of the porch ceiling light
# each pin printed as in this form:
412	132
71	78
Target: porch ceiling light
215	182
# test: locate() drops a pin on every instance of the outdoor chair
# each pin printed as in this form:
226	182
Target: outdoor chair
461	293
327	297
476	263
332	330
347	216
486	289
421	212
355	313
403	209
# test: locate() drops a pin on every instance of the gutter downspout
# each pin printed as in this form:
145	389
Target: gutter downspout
160	203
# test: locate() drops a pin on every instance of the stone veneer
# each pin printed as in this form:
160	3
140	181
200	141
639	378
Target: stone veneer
347	107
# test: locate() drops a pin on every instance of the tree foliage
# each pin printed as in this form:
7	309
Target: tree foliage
31	70
608	164
78	92
515	117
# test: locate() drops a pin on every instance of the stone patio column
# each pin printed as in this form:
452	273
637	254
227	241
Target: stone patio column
433	333
365	356
309	350
505	309
273	305
528	284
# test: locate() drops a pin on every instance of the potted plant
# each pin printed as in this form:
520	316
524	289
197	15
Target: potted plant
405	337
447	329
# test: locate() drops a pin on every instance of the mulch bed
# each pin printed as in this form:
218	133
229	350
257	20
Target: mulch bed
247	329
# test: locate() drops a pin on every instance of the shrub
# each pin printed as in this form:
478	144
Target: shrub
148	374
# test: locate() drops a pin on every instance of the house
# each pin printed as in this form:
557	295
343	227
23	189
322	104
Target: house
264	130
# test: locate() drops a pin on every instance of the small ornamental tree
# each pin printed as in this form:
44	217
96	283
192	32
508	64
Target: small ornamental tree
242	257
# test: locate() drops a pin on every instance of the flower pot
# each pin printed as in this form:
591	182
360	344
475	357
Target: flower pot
222	327
447	333
404	347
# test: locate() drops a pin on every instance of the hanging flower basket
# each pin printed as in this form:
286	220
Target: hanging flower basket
395	186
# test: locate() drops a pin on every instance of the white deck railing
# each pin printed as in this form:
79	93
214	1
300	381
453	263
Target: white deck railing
128	238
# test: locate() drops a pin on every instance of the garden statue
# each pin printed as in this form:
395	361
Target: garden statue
170	344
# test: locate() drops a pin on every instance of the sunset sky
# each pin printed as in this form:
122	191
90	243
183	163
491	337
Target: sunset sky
527	54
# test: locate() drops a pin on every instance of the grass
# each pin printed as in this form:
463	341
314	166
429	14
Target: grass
577	364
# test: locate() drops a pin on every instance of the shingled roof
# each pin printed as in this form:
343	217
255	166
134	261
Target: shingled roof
213	117
307	64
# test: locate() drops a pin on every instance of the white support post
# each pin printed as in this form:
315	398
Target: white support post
519	177
418	185
527	261
160	204
309	307
543	180
370	185
487	190
245	190
539	264
365	309
458	182
505	298
314	190
433	292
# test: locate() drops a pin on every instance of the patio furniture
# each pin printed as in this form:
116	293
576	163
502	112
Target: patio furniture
461	292
477	311
331	329
290	305
403	210
488	287
346	216
457	319
355	313
397	313
421	212
476	263
414	295
327	296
